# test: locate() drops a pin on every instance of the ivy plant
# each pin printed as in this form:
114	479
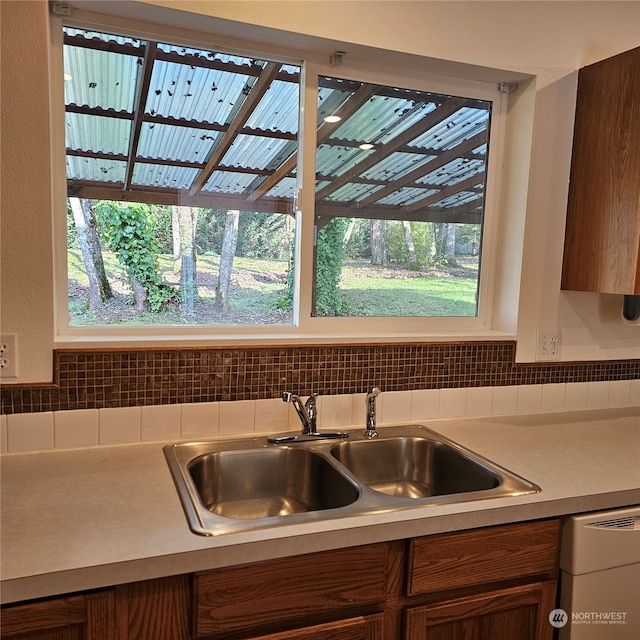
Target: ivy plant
132	238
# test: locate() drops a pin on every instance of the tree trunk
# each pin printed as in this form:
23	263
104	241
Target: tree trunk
349	231
139	293
378	245
187	218
450	251
411	247
175	232
433	242
99	288
229	243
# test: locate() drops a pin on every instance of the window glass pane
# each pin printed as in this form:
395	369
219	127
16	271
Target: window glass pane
399	202
181	176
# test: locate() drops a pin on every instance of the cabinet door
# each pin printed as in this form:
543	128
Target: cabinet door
602	239
519	612
359	628
83	617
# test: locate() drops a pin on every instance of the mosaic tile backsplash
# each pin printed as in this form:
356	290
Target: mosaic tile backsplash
94	379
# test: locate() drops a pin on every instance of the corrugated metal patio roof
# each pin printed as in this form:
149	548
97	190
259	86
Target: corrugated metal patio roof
159	123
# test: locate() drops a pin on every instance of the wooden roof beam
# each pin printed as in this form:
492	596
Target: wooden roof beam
142	89
149	195
465	214
424	169
431	119
464	185
251	101
351	106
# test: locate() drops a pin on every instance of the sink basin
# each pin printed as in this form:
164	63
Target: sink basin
263	483
414	467
229	486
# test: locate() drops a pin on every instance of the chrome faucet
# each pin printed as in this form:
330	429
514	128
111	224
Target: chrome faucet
308	414
370	431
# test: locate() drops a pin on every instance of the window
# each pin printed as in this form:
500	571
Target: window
181	170
204	190
399	201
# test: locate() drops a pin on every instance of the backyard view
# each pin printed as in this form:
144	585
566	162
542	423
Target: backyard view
160	265
184	186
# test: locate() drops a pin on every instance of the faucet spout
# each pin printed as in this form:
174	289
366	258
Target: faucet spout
371	431
306	412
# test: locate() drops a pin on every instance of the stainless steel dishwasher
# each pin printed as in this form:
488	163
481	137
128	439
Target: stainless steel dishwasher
600	577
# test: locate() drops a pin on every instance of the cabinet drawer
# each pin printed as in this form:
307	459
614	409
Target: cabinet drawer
482	556
360	628
305	587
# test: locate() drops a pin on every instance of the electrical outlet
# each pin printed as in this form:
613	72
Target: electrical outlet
549	343
8	356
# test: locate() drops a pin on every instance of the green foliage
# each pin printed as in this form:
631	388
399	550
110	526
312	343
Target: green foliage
160	217
210	230
469	234
131	235
260	235
330	255
359	244
264	235
396	243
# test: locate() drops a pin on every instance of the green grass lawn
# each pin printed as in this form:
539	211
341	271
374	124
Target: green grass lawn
411	297
258	284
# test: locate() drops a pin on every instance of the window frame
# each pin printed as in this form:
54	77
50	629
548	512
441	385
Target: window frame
306	327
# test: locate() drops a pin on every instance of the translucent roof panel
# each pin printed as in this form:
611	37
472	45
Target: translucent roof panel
95	169
449	133
222	128
336	160
193	93
229	182
97	133
183	144
257	152
353	191
395	166
278	109
99	78
381	119
286	188
453	172
406	196
163	176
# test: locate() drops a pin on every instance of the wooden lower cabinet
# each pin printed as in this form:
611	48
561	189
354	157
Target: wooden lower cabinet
81	617
520	613
485	584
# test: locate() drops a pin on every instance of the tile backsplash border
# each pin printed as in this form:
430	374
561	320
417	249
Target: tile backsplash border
120	378
86	428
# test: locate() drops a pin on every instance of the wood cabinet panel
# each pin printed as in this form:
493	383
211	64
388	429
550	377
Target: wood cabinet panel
154	609
519	612
310	587
455	560
602	239
82	617
359	628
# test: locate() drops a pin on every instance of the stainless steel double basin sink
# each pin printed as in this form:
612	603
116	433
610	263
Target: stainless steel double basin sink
227	486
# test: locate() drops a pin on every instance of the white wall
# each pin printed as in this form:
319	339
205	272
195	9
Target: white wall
549	40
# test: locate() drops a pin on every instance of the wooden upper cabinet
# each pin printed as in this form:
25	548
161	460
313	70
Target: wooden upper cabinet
602	240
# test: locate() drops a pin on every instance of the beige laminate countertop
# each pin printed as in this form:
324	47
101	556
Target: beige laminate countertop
82	519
